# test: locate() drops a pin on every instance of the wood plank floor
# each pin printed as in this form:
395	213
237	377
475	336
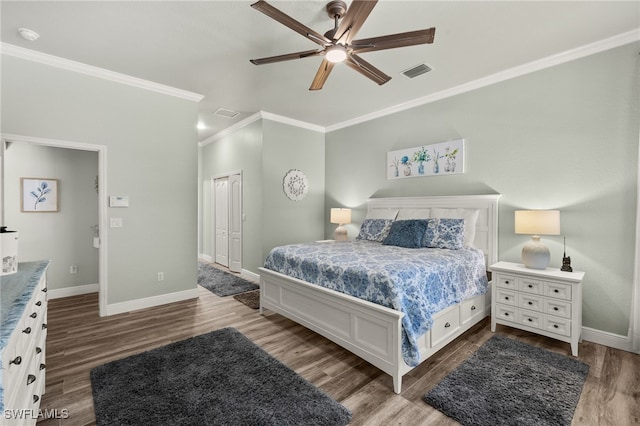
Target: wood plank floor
78	340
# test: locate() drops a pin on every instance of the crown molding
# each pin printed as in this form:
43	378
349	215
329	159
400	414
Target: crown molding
292	122
237	126
549	61
56	61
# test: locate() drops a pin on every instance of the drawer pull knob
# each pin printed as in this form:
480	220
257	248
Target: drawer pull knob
44	326
473	307
530	286
506	314
38	349
38	303
530	319
44	290
506	281
506	298
17	360
530	303
556	290
30	379
27	330
33	315
36	398
43	366
555	308
447	325
555	325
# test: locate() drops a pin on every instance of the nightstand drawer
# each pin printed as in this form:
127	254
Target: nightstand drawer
506	313
444	326
558	290
507	281
531	302
506	297
557	308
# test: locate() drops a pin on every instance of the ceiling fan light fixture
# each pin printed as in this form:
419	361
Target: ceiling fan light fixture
336	53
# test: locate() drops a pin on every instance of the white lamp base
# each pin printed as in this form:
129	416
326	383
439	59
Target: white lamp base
340	234
535	255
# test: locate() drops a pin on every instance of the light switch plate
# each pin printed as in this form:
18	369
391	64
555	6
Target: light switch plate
119	201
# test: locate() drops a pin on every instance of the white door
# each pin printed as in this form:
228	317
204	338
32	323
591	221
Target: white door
221	220
235	223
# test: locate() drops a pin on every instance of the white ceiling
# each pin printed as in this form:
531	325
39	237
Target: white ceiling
205	47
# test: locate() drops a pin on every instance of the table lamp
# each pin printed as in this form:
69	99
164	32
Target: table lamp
341	217
535	254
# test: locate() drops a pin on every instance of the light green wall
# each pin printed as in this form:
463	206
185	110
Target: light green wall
65	237
265	151
151	142
564	138
241	150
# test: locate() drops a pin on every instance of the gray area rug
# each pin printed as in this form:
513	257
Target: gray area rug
507	382
222	283
218	378
251	299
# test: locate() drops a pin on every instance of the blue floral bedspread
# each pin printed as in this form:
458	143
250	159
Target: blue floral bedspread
417	282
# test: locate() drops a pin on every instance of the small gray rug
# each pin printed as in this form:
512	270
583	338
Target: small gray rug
251	299
507	382
222	283
218	378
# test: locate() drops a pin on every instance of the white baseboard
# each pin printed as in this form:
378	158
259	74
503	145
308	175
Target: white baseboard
607	339
57	293
205	257
250	274
149	302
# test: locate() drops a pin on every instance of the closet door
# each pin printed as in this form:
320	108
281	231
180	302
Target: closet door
221	220
235	223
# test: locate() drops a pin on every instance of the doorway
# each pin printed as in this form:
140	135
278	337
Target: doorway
227	220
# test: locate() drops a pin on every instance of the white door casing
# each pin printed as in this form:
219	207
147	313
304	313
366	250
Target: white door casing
221	220
235	223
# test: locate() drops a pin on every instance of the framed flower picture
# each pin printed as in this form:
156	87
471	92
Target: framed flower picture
445	158
39	195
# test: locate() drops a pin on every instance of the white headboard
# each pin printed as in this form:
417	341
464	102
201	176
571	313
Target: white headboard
486	238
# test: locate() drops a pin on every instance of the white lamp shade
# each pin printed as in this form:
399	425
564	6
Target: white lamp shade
537	222
340	216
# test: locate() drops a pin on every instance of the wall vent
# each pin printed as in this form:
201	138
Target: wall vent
413	72
226	113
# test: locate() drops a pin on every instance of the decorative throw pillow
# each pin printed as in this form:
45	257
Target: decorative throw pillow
469	215
445	234
374	229
407	233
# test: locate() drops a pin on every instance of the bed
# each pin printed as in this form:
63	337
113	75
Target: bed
383	335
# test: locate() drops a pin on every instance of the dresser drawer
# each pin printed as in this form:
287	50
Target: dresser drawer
507	281
506	313
506	297
559	326
531	319
558	290
472	308
531	302
558	308
529	285
445	325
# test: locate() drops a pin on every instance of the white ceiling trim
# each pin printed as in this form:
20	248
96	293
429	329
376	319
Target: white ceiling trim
258	116
560	58
55	61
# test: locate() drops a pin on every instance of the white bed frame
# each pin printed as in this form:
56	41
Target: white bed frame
371	331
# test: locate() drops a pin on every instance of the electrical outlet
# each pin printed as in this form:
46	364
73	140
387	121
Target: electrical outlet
73	269
160	276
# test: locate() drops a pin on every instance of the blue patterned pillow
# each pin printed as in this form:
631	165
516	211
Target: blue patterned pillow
374	229
407	233
444	233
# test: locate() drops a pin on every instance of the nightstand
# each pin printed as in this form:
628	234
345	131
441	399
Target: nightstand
543	301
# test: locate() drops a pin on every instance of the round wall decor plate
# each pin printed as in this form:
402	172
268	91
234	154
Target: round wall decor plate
295	185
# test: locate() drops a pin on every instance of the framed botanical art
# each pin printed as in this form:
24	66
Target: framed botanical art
445	158
39	195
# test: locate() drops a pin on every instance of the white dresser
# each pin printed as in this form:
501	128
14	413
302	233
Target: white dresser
22	343
546	302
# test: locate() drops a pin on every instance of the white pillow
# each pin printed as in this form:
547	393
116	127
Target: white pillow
406	214
382	214
470	217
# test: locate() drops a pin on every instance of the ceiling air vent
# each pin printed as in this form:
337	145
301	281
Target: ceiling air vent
413	72
226	113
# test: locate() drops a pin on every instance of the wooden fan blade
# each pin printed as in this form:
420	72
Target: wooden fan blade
287	57
392	41
288	21
365	68
322	75
351	22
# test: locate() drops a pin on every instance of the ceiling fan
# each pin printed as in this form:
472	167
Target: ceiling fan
338	43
